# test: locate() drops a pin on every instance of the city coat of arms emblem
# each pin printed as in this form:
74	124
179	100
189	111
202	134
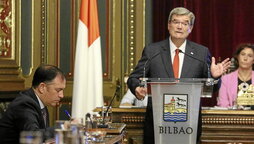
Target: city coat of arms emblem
175	108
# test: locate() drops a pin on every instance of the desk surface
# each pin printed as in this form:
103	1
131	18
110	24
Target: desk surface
113	128
115	133
111	139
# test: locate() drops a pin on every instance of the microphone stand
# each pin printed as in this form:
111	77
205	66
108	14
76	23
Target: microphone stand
144	80
103	125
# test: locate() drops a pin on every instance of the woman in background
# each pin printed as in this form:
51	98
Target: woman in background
240	79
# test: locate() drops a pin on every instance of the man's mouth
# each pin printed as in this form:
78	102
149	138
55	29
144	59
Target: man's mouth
178	32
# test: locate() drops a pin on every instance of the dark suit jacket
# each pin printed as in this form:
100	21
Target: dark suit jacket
23	114
159	65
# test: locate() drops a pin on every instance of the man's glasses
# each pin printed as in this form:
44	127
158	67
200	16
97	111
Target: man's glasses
176	22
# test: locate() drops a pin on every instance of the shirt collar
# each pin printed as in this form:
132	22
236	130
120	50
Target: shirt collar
173	46
40	102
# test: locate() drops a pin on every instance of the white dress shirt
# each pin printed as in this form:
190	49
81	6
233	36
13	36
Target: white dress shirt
181	55
131	99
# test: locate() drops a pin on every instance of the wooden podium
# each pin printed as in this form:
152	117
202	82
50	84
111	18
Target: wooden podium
227	127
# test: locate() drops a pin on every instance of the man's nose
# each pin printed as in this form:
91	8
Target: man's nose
180	25
61	94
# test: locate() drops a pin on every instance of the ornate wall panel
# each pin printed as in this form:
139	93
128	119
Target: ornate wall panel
112	60
135	34
126	31
26	36
9	46
6	22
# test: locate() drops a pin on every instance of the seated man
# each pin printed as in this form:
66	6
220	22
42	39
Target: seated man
28	111
129	100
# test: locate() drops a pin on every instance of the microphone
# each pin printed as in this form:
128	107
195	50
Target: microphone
143	82
103	125
208	68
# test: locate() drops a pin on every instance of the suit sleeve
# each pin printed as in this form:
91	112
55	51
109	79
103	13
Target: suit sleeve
29	118
134	79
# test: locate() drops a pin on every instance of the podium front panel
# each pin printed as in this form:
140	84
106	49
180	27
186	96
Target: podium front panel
175	111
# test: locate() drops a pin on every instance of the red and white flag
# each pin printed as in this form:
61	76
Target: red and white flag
88	81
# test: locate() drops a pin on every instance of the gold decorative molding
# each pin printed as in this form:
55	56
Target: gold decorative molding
228	112
132	119
135	32
131	33
228	120
43	31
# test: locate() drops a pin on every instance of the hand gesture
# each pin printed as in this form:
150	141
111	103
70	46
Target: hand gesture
220	68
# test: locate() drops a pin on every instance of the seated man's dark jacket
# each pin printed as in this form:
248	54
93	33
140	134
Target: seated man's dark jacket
23	114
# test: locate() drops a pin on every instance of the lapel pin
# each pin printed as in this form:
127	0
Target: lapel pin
191	53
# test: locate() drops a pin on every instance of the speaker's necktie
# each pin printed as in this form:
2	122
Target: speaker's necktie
176	63
45	115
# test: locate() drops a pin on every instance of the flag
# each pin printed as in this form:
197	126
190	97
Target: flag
87	83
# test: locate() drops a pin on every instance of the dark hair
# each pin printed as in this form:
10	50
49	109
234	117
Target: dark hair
46	74
238	51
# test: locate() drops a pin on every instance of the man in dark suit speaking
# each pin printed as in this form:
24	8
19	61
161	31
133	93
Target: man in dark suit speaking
175	57
28	112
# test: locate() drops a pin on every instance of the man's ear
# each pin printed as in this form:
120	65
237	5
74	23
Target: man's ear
190	29
41	88
169	25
